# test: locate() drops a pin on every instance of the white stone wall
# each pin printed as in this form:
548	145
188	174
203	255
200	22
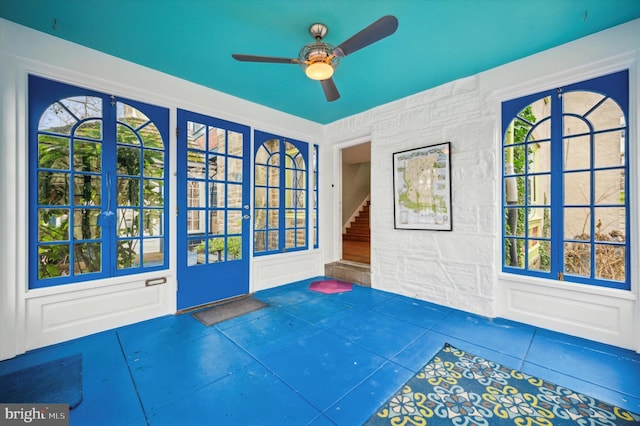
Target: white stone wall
462	268
450	268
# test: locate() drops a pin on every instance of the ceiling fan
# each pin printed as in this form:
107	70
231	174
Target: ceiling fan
319	59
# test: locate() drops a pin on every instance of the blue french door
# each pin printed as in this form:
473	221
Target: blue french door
213	209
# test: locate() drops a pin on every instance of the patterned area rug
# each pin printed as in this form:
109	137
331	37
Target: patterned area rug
457	388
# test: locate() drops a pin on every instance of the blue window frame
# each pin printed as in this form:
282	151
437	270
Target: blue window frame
316	193
565	178
97	185
280	194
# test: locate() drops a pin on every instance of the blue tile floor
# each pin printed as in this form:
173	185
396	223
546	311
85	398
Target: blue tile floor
311	358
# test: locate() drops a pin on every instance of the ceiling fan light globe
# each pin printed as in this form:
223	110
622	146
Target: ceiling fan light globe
319	71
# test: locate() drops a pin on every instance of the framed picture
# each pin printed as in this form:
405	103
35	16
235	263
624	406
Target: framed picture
422	188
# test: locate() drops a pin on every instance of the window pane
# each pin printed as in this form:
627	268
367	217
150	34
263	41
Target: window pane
540	255
610	149
539	157
56	119
53	188
234	144
53	152
574	125
153	254
152	223
85	224
234	169
577	259
87	190
514	221
153	163
128	254
260	177
273	240
273	176
216	167
260	219
514	160
610	262
577	188
260	197
53	225
289	238
262	156
580	102
514	190
87	156
128	192
274	218
131	115
217	140
577	153
153	192
90	129
195	135
128	160
88	258
53	260
259	241
128	225
272	146
234	222
609	186
301	237
610	224
216	194
539	223
216	250
539	190
196	252
577	223
126	136
195	166
216	222
234	196
514	252
234	248
151	137
274	197
289	219
606	116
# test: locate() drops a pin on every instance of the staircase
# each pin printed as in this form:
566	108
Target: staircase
354	266
359	229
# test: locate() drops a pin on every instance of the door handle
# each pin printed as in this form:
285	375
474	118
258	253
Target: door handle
246	217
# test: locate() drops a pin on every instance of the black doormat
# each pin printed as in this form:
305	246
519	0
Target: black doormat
225	311
53	382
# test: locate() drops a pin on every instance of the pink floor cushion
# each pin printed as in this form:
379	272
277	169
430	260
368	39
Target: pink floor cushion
330	286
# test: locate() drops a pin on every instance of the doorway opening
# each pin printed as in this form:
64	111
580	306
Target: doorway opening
356	201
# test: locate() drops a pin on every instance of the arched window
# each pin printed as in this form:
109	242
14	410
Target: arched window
97	185
565	198
281	195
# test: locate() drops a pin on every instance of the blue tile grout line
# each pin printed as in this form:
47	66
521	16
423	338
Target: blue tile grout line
135	386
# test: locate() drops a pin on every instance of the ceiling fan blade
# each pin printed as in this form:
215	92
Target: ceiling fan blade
380	29
330	89
271	59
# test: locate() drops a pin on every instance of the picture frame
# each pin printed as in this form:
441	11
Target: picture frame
422	188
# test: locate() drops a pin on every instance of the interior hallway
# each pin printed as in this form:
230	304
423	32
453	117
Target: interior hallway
311	358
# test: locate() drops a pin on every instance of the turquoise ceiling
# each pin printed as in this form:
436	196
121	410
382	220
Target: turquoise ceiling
437	41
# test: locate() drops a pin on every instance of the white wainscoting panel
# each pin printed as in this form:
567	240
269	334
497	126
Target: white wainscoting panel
603	315
54	318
